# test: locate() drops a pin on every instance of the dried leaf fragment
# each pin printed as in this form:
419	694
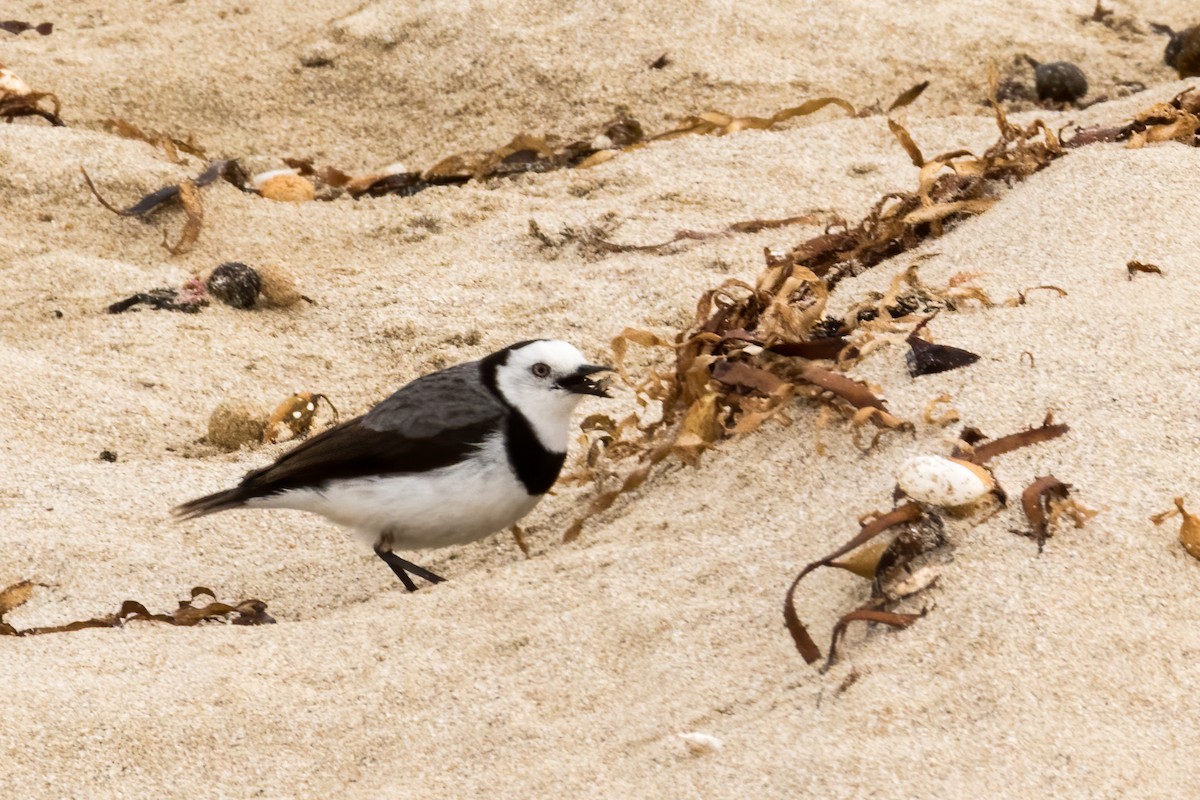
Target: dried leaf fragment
864	561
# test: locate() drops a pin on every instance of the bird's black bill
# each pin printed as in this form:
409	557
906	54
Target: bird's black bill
581	382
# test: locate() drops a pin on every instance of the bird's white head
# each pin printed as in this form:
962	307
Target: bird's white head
545	379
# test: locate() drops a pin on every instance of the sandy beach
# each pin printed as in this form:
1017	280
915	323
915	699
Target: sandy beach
576	671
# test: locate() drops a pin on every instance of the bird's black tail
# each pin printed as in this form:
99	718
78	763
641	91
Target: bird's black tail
211	503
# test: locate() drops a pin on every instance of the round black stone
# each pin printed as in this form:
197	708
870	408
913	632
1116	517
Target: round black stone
1060	81
234	283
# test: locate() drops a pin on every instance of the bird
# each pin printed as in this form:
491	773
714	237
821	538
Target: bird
449	458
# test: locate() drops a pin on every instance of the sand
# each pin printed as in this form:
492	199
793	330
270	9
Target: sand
574	672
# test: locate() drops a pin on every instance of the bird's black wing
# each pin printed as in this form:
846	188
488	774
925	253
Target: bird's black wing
433	422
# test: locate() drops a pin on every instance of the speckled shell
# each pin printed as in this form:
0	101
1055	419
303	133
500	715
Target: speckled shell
942	481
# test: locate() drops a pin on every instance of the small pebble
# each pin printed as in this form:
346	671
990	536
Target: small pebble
108	455
1174	46
1060	82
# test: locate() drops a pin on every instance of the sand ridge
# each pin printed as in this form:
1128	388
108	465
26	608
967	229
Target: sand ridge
1064	675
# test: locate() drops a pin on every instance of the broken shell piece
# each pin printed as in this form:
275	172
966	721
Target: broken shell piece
295	414
11	85
278	288
361	183
285	185
701	744
941	481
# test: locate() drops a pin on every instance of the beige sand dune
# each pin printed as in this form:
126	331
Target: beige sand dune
573	673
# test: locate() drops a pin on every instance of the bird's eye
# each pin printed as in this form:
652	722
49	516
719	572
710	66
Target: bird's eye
540	370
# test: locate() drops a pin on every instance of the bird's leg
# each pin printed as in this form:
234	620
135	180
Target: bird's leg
402	568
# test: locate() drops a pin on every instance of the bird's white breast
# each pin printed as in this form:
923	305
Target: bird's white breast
452	505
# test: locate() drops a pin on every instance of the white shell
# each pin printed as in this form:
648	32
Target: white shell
942	481
258	180
700	744
395	168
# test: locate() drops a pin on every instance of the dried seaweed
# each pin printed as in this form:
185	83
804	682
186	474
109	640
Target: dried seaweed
189	300
189	198
186	193
229	170
16	27
719	123
246	612
867	613
1176	120
949	416
909	512
592	240
18	100
526	153
908	96
927	358
1133	267
906	141
1046	500
1035	500
779	315
1189	530
170	145
983	453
